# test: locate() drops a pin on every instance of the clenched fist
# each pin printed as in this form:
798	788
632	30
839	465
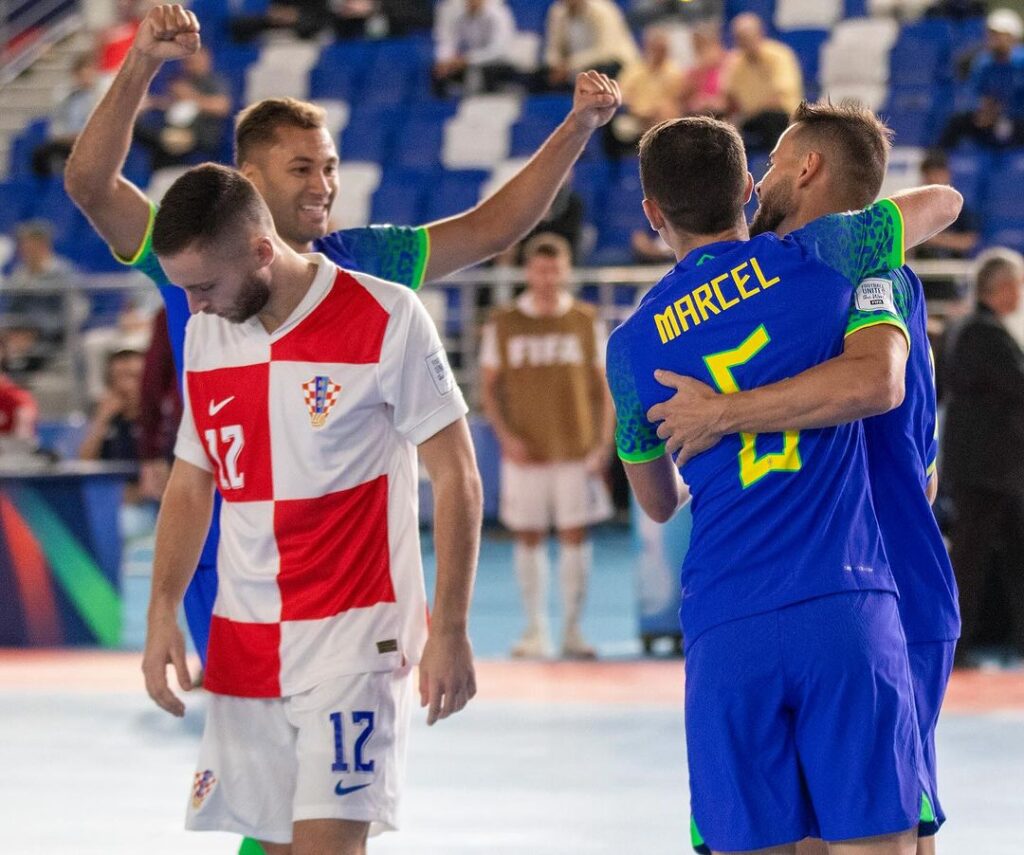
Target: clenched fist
595	100
167	32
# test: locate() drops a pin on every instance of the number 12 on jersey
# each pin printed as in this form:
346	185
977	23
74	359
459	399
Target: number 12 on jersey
752	467
227	466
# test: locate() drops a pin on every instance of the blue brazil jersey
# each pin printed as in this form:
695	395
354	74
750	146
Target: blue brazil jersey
776	518
398	254
901	457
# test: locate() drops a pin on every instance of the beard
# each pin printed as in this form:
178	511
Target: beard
251	299
773	207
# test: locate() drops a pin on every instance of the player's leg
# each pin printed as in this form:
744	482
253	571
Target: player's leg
525	509
931	664
333	836
889	844
351	746
812	846
580	500
746	788
856	726
575	556
262	847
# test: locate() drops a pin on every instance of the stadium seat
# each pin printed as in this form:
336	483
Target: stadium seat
552	108
530	15
53	205
456	191
871	95
477	137
904	169
871	35
420	145
807	14
340	70
765	9
969	169
1012	237
16	199
357	182
908	111
33	135
369	134
398	200
528	134
806	44
920	58
1005	190
850	63
524	52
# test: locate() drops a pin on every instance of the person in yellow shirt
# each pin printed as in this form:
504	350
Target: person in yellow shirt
651	92
763	83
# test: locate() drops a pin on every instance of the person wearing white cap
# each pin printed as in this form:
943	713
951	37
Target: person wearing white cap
997	83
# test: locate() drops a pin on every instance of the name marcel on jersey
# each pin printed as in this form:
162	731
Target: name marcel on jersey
709	299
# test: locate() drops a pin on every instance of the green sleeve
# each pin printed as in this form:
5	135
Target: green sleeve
857	244
883	299
396	253
145	259
636	439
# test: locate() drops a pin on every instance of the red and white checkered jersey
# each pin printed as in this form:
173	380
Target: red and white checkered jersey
311	432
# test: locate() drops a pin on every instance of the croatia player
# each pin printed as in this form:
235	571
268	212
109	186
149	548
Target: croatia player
285	149
799	708
833	159
308	390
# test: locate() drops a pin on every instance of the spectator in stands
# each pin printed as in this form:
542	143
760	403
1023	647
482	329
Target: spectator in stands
114	42
472	40
159	412
18	411
114	429
702	86
997	85
69	117
652	88
38	286
544	393
982	460
347	18
564	218
189	122
763	83
581	35
960	239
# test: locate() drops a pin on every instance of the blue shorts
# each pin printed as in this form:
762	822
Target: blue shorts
931	663
800	723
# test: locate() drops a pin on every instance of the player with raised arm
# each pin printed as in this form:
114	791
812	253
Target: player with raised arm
308	390
799	708
833	159
285	149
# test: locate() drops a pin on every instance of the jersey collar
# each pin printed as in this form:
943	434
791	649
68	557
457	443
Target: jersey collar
704	254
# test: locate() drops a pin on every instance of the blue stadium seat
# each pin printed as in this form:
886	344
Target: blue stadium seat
33	135
855	9
53	205
457	191
16	199
1002	206
763	8
921	55
397	67
590	180
419	145
528	134
369	135
806	45
969	168
552	107
1012	237
909	113
341	70
92	255
530	15
398	200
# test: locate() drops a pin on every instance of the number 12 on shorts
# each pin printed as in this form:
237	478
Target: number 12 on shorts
363	719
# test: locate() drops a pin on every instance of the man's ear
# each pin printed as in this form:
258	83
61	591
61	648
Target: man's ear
265	251
654	215
810	169
750	189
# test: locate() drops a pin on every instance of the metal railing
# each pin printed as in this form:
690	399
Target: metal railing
459	306
28	28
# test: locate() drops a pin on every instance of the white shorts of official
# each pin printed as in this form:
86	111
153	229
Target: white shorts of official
336	751
538	497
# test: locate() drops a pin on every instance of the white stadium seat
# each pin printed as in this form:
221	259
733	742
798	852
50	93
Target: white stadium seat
870	34
357	182
524	52
162	179
282	70
904	170
844	63
478	136
807	14
338	113
871	95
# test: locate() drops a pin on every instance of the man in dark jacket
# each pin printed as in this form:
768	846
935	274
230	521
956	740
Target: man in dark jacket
983	447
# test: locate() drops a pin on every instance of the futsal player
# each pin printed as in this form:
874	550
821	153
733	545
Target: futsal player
799	708
832	159
308	391
284	147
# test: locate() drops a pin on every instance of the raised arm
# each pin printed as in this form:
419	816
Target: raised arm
447	678
927	211
180	532
499	221
117	208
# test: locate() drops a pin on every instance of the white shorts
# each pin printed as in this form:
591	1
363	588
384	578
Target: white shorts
537	497
336	751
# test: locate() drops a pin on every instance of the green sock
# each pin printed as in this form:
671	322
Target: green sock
250	847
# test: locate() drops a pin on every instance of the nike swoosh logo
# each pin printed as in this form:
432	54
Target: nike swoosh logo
217	407
339	790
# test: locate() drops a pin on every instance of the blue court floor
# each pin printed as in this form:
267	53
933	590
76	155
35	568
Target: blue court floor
548	760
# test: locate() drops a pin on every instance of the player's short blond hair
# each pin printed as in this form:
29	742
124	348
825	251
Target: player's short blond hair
258	123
